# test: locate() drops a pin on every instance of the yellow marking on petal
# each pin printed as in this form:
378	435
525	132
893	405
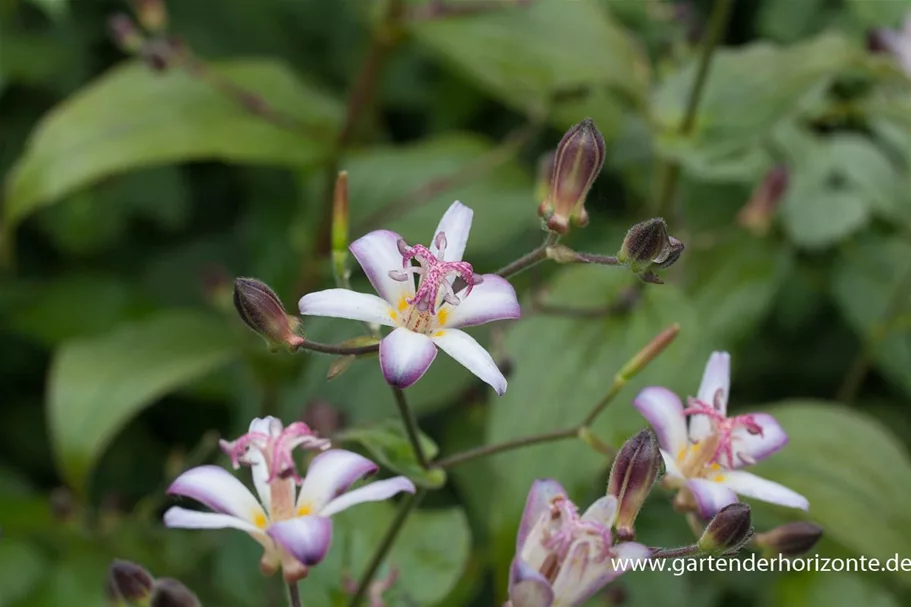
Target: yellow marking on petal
393	315
681	454
714	467
439	333
442	315
719	478
259	519
403	305
304	510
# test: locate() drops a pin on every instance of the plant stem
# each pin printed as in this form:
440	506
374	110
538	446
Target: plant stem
601	405
408	504
411	426
316	346
671	553
721	12
295	594
471	454
529	259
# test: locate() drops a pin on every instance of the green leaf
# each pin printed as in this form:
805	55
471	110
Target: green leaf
879	14
865	288
98	384
524	56
131	117
749	90
388	443
22	567
853	471
823	589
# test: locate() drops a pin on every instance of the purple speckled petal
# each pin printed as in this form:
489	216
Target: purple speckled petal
758	447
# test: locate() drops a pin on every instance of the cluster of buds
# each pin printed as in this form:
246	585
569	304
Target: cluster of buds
130	585
572	170
647	245
261	310
148	39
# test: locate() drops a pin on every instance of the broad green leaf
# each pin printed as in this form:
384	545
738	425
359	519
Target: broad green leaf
131	117
828	588
749	90
879	14
871	289
98	384
853	471
22	567
389	444
525	56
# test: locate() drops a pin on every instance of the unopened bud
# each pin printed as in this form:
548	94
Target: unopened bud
171	593
261	310
577	162
729	531
756	215
790	539
152	14
879	40
545	177
635	469
647	245
125	33
649	352
128	582
340	225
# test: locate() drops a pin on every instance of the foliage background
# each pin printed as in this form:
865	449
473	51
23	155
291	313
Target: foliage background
130	198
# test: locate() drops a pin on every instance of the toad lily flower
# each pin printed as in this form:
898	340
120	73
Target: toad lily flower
706	461
562	559
294	530
430	316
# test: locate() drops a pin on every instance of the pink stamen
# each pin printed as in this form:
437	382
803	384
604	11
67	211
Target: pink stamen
435	274
570	527
724	427
275	447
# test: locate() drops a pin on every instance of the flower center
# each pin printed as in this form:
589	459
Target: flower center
564	528
423	313
718	448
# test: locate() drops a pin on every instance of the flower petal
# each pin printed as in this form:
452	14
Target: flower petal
456	224
343	303
527	587
628	552
493	299
306	538
758	447
538	502
463	347
219	490
582	574
405	356
671	469
603	511
715	378
330	474
374	492
710	496
181	518
750	485
664	411
378	253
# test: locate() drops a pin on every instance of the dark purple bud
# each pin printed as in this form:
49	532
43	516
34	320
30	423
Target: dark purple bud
261	310
543	181
171	593
128	582
636	467
125	33
647	244
577	162
729	531
878	40
790	539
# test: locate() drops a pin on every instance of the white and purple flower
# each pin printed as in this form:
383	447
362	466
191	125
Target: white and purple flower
705	460
294	530
562	559
449	296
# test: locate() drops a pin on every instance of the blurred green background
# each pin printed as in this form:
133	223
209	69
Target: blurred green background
132	197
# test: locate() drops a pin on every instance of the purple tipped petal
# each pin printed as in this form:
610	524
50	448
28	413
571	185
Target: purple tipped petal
181	518
463	347
330	474
456	224
664	411
306	538
527	587
378	253
342	303
539	497
716	379
750	485
493	299
710	496
602	511
405	356
219	490
758	447
374	492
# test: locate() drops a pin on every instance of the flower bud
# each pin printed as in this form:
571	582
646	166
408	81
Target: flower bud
545	176
128	582
790	539
756	215
878	40
647	245
635	470
152	14
729	531
171	593
125	33
577	162
340	227
261	310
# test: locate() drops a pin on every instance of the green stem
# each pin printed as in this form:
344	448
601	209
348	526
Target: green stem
672	553
471	454
316	346
295	594
718	22
411	426
408	504
529	259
